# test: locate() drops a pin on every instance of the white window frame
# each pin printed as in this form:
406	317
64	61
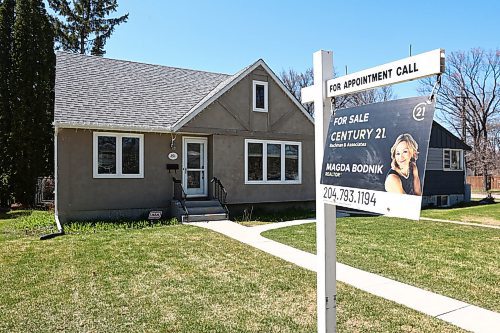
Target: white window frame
119	151
264	162
461	157
440	198
254	95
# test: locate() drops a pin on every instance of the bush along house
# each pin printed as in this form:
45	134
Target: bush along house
132	138
445	175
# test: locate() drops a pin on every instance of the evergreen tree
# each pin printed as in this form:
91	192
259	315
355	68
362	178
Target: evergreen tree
6	26
33	96
85	26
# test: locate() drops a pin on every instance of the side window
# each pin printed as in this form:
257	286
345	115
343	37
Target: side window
260	96
452	159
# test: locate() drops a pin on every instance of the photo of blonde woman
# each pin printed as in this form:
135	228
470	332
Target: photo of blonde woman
403	177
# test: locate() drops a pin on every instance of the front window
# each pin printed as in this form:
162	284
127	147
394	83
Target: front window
272	162
118	155
452	159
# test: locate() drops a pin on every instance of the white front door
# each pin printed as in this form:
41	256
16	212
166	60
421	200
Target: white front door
194	167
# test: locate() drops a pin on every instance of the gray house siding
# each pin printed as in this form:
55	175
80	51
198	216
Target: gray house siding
230	166
434	159
81	197
226	123
231	120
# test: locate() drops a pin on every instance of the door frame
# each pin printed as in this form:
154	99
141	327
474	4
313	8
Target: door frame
204	182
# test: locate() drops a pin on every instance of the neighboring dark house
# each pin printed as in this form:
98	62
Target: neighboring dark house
445	178
130	136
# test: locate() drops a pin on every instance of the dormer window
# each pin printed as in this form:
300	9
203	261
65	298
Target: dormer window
260	96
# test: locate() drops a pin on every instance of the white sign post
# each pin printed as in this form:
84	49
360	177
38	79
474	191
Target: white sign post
325	213
324	87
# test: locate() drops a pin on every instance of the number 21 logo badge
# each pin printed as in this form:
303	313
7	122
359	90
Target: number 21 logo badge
419	111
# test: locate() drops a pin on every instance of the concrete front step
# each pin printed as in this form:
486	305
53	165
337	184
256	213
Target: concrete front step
206	210
204	217
202	203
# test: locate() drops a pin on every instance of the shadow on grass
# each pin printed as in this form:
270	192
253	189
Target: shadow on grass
14	214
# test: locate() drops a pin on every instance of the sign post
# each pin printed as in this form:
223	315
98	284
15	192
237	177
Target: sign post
324	87
325	213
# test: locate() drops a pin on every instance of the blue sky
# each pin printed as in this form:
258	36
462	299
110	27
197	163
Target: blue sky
225	36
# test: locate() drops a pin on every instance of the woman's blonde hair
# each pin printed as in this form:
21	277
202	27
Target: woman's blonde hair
411	143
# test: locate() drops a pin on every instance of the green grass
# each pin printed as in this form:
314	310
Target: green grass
24	223
475	213
253	223
260	218
454	260
171	279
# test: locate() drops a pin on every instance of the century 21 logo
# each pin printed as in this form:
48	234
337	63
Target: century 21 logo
419	111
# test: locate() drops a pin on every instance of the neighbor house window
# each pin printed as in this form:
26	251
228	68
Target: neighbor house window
118	155
260	96
452	159
442	201
272	162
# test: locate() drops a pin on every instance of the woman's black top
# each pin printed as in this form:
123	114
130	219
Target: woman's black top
407	182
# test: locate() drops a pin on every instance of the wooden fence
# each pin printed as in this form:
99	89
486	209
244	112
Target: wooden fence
476	182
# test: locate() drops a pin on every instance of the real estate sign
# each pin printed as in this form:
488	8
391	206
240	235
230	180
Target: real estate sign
375	156
411	68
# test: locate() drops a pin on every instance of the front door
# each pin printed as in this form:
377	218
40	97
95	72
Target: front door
194	167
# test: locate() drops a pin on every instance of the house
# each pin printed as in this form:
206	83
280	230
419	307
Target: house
445	175
131	138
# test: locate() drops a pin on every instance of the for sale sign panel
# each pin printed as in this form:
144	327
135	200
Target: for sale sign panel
375	156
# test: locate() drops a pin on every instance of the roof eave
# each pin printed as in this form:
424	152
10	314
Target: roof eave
112	127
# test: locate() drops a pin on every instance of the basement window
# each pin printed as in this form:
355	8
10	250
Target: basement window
442	201
117	155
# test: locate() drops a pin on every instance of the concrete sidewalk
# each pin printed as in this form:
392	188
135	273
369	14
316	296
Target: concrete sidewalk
461	314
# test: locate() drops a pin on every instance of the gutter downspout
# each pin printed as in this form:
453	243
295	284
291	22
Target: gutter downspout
60	230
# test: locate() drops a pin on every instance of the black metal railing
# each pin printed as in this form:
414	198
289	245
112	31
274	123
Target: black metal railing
179	193
219	193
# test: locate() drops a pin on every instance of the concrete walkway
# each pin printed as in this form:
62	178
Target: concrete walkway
466	316
482	196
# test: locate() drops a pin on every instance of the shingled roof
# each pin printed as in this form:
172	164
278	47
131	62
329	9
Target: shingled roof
100	93
96	92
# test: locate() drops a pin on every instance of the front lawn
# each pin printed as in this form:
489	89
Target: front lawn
170	279
454	260
484	214
252	219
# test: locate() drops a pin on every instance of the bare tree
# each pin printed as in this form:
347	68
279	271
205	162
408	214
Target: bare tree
295	81
381	94
468	102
